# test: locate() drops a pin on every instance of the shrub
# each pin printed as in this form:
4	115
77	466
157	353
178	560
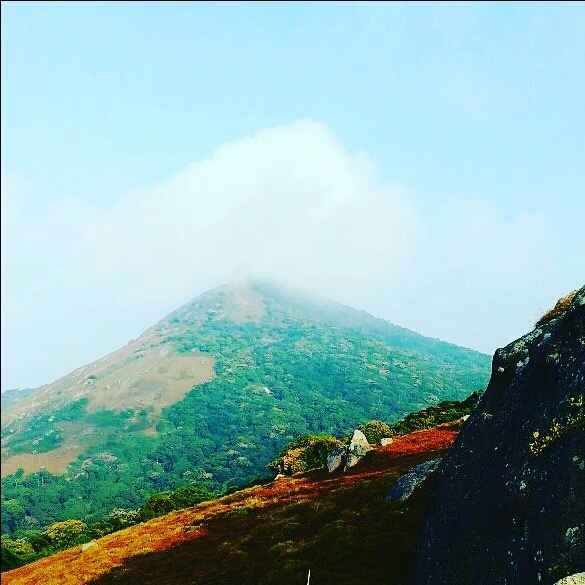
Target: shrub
8	558
375	431
305	453
37	538
190	495
157	505
183	497
19	546
67	533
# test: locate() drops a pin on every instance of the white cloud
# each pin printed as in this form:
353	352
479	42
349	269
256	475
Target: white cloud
288	202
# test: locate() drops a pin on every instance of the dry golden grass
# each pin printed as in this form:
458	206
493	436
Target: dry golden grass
143	374
77	567
55	461
560	307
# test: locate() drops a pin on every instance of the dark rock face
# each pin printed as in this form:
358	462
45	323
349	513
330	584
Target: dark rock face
405	486
509	499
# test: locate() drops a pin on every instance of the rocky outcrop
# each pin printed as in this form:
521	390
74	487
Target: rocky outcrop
345	457
358	448
405	486
508	505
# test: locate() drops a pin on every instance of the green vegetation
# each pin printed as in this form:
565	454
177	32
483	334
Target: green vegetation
302	368
65	534
311	451
302	454
183	497
445	411
376	430
25	546
305	453
42	432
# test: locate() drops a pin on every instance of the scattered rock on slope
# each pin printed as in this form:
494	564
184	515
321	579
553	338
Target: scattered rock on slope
508	507
406	485
358	448
348	456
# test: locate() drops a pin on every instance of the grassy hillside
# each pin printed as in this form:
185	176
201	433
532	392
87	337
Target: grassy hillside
338	526
284	365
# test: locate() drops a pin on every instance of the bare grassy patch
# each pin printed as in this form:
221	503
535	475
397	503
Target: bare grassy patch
560	307
55	461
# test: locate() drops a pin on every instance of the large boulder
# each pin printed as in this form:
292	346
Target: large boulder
508	506
405	486
358	448
347	456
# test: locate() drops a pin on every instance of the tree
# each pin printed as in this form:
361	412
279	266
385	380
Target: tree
12	514
67	533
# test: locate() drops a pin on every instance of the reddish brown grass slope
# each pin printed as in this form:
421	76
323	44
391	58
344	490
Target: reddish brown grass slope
339	526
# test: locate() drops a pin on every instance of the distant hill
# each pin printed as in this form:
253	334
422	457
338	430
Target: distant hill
210	394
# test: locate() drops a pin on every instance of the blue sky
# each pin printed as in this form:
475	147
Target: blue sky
463	108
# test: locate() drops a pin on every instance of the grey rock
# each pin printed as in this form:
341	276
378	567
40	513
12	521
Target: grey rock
405	486
359	443
358	448
336	459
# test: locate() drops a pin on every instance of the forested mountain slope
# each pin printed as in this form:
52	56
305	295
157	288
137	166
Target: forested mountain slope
209	396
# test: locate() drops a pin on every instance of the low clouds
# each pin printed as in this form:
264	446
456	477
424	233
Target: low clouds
291	203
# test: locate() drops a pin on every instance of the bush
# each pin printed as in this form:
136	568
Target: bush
375	431
8	558
157	505
67	533
117	519
190	495
446	411
560	307
37	538
15	552
183	497
305	453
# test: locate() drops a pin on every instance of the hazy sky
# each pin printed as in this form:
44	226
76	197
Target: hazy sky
423	162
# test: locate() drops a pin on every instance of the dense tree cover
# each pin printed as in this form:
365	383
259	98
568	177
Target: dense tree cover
301	369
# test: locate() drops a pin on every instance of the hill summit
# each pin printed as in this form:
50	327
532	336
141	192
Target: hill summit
210	394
